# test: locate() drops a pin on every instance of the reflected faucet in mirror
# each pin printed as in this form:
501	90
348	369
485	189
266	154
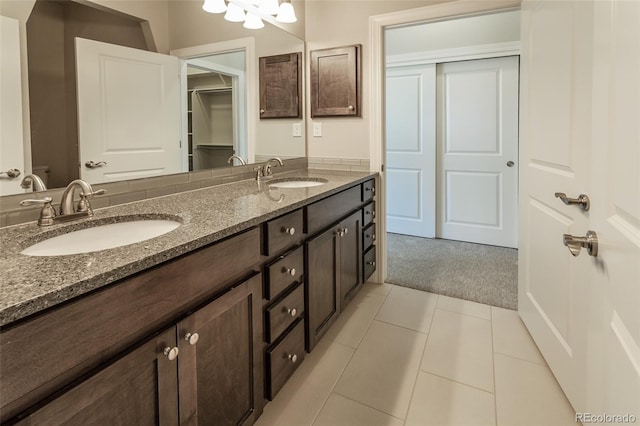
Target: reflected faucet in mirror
236	157
34	182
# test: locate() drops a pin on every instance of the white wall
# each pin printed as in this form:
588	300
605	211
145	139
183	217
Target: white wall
334	23
463	32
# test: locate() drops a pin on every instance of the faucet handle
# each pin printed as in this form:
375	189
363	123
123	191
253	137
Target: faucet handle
84	205
46	214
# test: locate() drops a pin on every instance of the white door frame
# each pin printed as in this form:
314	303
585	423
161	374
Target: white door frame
251	78
377	148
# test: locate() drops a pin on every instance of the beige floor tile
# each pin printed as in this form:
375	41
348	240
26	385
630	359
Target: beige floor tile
528	394
510	336
439	401
408	308
459	348
383	370
341	411
465	307
352	324
381	289
302	397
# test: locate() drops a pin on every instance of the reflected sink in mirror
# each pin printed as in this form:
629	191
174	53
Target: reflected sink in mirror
297	183
102	237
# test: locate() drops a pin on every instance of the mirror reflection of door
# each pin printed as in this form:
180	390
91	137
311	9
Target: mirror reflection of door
216	111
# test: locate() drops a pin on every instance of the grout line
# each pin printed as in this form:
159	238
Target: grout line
424	349
465	314
401	326
457	382
369	406
525	360
493	357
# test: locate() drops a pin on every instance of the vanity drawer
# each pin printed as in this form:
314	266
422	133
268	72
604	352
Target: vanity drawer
324	213
283	272
368	213
369	261
284	358
283	313
368	236
283	232
368	190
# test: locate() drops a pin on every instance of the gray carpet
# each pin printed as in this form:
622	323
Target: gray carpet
476	272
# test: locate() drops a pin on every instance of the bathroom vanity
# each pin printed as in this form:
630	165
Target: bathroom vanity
202	325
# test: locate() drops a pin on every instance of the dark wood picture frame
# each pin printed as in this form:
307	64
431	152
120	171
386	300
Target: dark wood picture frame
336	82
281	86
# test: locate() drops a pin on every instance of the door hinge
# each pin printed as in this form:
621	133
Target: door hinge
180	143
382	168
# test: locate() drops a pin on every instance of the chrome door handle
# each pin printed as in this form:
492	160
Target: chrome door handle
575	244
582	201
10	174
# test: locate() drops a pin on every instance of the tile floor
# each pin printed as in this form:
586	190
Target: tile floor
398	356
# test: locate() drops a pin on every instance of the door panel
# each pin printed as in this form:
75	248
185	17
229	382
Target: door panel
410	118
11	141
477	134
556	92
128	112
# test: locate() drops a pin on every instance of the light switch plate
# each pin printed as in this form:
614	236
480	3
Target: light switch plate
297	130
317	130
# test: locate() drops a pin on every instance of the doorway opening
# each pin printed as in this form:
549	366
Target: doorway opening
451	157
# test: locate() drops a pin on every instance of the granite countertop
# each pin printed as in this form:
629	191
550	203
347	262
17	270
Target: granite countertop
29	284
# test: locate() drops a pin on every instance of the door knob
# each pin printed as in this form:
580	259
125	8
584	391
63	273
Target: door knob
582	201
92	165
575	244
510	163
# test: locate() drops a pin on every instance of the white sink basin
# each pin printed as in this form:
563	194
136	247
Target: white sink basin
101	237
297	183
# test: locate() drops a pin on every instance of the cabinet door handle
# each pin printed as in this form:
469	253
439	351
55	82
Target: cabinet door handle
340	232
372	263
293	358
192	338
289	271
372	189
346	230
171	353
289	231
293	312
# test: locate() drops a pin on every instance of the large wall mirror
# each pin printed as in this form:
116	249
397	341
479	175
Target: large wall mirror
218	113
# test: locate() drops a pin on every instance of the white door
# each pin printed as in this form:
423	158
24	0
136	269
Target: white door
411	161
11	140
477	143
580	135
128	112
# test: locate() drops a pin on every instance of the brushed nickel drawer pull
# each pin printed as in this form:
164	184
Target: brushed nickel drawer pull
293	312
192	338
171	353
289	271
293	358
289	231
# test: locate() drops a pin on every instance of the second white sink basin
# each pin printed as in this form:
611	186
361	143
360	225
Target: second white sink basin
297	183
102	237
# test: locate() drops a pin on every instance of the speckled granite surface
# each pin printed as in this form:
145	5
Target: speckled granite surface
30	284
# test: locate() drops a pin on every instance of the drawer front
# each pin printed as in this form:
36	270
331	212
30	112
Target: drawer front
368	190
282	314
368	213
284	358
283	272
86	333
323	213
369	263
283	232
368	236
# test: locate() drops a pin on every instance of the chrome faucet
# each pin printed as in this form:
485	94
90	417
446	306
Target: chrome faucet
48	213
29	180
266	169
237	157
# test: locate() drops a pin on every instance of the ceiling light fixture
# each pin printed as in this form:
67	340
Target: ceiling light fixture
251	12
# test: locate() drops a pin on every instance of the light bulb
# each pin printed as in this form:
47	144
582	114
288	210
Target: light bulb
214	6
234	13
286	14
253	22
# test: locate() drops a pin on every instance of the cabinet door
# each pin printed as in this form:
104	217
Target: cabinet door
350	255
220	364
336	81
322	284
141	388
